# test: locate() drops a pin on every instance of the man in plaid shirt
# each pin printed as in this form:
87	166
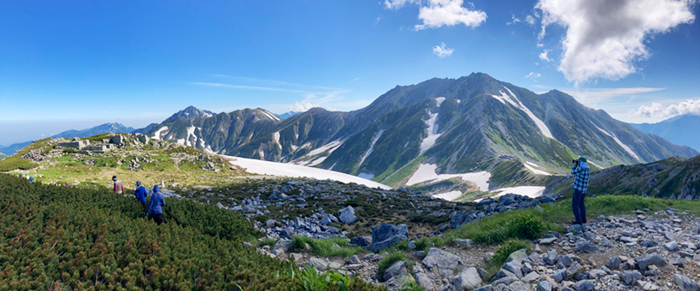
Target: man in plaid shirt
582	172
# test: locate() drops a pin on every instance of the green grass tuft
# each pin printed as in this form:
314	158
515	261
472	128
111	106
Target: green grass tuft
388	260
324	247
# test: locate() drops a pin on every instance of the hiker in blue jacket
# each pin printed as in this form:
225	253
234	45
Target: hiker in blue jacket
141	194
582	173
155	206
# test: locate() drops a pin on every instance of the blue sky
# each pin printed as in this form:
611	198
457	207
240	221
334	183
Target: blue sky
76	64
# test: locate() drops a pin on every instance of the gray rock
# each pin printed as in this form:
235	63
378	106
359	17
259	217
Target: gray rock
464	242
685	283
565	260
532	276
614	263
445	262
548	241
544	286
319	264
485	288
559	276
671	246
467	279
630	277
361	241
518	286
502	273
647	243
347	215
424	281
582	276
586	247
597	274
677	262
585	285
396	269
653	259
354	260
458	218
574	268
386	235
550	258
514	267
519	256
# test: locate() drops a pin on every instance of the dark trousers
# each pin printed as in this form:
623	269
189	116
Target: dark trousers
144	206
579	206
158	218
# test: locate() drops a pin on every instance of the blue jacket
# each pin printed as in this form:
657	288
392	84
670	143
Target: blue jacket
141	194
156	204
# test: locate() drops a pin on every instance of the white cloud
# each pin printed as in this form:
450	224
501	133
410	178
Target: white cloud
379	18
302	107
530	20
442	50
396	4
439	13
533	76
603	38
514	20
657	110
543	55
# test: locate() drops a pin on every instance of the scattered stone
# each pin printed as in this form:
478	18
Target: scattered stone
671	246
685	283
386	235
467	279
445	262
584	285
347	215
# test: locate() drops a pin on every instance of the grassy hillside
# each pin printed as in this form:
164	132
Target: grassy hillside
157	161
70	238
3	156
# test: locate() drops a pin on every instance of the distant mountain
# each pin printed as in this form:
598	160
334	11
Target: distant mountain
682	130
412	134
103	128
2	156
288	114
189	113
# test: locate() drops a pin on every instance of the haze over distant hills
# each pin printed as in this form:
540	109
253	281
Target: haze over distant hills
103	128
474	124
681	130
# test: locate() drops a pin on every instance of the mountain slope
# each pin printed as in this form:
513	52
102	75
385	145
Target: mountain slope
683	130
674	178
466	125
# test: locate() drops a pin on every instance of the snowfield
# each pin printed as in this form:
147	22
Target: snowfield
433	135
371	148
529	191
297	171
449	196
531	166
157	134
517	104
618	141
426	173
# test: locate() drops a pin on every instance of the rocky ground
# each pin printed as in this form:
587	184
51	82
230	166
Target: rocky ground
650	251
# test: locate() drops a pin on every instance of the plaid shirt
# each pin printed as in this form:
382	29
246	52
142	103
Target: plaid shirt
582	175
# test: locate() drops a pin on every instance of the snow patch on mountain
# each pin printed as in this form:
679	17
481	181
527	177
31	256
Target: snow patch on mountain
517	104
190	132
329	147
181	141
529	191
276	138
449	196
371	148
439	100
316	162
531	166
157	134
618	141
427	173
270	115
432	137
296	171
599	166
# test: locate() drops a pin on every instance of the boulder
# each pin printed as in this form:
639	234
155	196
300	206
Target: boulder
386	235
585	285
445	262
347	215
458	218
671	246
684	283
396	269
361	241
630	277
317	263
544	286
586	247
614	263
467	279
519	256
653	259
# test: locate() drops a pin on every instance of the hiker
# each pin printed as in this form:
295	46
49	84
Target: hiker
21	176
67	185
118	187
582	173
155	206
31	179
141	194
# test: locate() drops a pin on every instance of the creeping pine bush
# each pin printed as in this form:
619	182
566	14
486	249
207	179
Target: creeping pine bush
58	238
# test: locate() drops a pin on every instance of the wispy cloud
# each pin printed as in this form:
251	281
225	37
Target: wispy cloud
533	76
514	20
598	95
442	50
543	56
689	106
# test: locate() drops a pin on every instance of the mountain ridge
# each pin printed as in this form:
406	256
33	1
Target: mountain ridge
683	129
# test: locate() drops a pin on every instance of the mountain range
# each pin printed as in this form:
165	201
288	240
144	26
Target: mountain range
488	132
682	130
103	128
